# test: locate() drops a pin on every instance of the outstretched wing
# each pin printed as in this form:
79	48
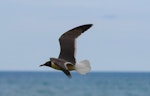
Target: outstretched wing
67	42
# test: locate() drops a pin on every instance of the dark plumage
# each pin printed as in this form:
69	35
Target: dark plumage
66	60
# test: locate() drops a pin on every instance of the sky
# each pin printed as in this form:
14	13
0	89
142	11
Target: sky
118	41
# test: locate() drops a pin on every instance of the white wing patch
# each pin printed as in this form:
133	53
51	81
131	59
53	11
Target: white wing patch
66	64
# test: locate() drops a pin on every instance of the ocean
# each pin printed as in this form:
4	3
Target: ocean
57	84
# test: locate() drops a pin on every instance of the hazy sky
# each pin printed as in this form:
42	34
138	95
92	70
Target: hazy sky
118	41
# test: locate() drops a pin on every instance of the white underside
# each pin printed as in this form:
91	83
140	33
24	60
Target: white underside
83	67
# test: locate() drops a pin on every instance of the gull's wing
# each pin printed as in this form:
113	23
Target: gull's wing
67	42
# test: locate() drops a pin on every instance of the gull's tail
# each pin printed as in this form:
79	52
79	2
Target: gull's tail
83	67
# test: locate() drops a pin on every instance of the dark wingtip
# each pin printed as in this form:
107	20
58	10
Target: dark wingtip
86	26
90	25
69	76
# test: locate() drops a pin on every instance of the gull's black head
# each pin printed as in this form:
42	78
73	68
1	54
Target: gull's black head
48	63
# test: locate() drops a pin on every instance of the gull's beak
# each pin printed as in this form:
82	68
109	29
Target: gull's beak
42	65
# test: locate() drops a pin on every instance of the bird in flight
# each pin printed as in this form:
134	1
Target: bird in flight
66	61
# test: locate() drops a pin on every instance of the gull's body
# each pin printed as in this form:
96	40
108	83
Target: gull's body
66	60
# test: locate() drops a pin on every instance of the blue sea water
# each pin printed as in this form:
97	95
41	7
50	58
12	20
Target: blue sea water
57	84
